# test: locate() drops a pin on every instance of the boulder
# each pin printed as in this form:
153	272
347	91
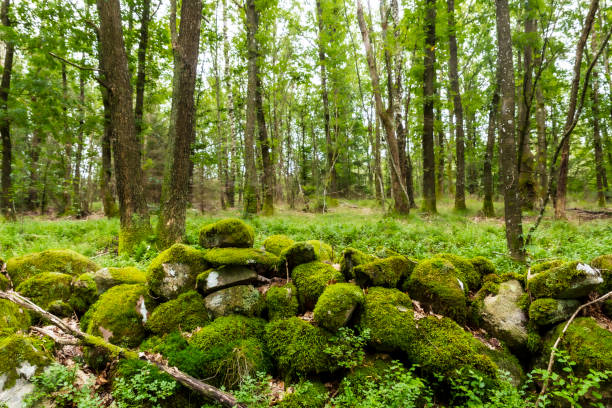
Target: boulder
465	270
46	288
482	265
224	277
5	284
185	313
243	299
228	233
545	311
311	279
13	318
351	258
275	244
502	315
106	278
174	271
544	266
305	252
388	272
282	302
571	280
337	304
264	263
53	260
84	293
603	263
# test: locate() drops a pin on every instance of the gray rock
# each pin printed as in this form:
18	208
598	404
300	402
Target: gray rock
502	316
220	278
571	280
107	278
549	311
242	299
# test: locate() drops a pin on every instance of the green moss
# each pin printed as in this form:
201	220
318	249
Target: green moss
84	293
227	327
351	258
305	395
305	252
323	251
298	347
482	265
282	302
13	318
534	340
547	311
184	313
311	279
465	270
5	284
276	243
492	277
388	315
60	308
384	252
565	281
53	260
524	302
174	271
17	350
435	282
230	232
138	230
118	315
47	287
506	361
337	304
388	272
607	308
258	259
373	370
604	264
544	266
106	278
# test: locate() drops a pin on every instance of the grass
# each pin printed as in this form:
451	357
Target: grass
355	224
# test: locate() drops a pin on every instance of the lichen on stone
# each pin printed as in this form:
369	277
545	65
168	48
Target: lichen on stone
337	304
243	299
21	356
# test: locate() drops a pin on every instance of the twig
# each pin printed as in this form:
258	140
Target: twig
74	64
66	341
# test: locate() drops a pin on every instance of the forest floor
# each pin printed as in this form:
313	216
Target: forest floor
358	224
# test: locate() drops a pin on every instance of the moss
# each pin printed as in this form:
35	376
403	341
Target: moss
53	260
305	252
351	258
388	272
524	302
305	395
227	327
260	260
276	243
174	271
534	340
185	313
137	231
17	351
465	270
384	252
282	302
47	287
492	277
5	284
337	304
506	361
435	282
106	278
388	315
230	232
604	264
13	318
311	279
84	293
482	265
570	280
323	251
373	370
119	315
607	308
547	311
298	347
544	266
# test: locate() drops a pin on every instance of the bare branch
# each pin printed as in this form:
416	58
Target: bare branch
74	64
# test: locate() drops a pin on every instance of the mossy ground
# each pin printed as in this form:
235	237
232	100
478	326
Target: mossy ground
13	318
350	258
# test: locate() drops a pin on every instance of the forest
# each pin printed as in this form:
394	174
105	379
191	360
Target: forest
317	204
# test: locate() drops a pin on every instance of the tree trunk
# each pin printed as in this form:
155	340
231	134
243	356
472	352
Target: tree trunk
429	160
600	170
175	188
106	172
250	185
439	154
409	171
541	154
508	171
222	162
77	203
487	176
5	122
378	179
264	144
231	179
134	214
67	158
142	62
453	73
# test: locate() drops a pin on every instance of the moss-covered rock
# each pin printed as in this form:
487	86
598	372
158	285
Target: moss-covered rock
311	279
388	272
84	293
506	361
547	311
384	252
53	260
185	313
544	266
503	317
465	270
388	315
227	233
224	277
106	278
21	357
337	304
436	283
351	258
243	299
298	347
372	371
305	395
305	252
571	280
119	315
604	264
5	284
12	318
174	271
259	260
282	302
46	288
275	244
482	265
226	328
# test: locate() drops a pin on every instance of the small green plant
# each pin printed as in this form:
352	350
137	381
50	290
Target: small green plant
254	391
347	347
142	390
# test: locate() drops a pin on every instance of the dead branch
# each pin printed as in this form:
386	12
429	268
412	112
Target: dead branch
215	394
74	64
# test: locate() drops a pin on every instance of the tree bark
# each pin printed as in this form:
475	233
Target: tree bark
600	170
6	201
541	154
134	214
231	179
508	171
487	175
429	160
143	42
264	144
250	185
67	158
175	189
106	172
77	202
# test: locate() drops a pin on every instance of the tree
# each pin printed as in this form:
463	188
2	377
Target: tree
6	201
600	170
429	73
175	189
487	174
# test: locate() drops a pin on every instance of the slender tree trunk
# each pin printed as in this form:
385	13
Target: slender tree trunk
231	179
222	162
106	172
33	198
67	182
429	160
76	182
250	185
409	170
264	143
439	154
134	214
600	170
541	154
175	188
508	171
143	42
5	122
378	179
487	178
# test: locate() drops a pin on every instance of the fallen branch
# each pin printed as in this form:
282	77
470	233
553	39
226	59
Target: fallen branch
215	394
551	360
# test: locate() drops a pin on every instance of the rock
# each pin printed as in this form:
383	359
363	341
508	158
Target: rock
46	288
282	302
5	284
21	358
389	317
106	278
185	313
466	271
603	263
384	252
13	318
264	263
174	271
571	280
119	315
544	266
311	279
223	277
275	244
298	348
243	299
305	252
350	259
502	316
435	282
53	260
388	272
547	311
482	265
337	304
230	232
84	293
